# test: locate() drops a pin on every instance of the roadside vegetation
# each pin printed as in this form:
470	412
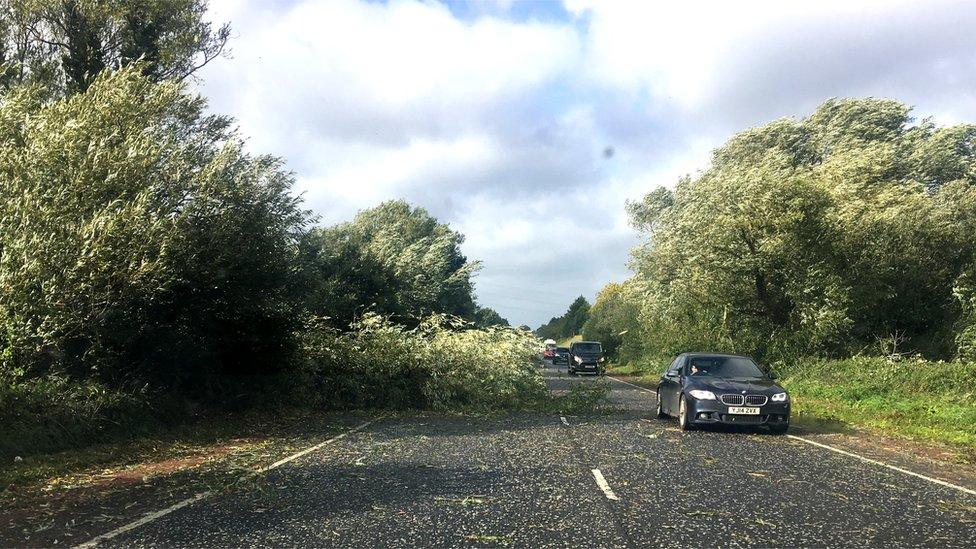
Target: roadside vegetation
155	273
836	249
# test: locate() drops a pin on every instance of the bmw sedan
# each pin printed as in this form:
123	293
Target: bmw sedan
704	389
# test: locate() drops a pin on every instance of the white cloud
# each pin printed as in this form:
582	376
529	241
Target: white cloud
497	122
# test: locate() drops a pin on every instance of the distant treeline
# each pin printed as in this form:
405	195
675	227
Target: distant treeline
847	232
567	325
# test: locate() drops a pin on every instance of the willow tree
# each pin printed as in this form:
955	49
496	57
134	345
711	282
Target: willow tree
139	243
823	234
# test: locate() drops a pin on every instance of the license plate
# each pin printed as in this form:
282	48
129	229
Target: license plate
744	411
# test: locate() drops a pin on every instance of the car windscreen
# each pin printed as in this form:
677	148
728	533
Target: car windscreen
723	366
587	348
562	349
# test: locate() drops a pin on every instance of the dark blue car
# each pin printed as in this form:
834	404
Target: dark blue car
706	388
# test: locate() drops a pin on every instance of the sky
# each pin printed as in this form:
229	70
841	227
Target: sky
527	126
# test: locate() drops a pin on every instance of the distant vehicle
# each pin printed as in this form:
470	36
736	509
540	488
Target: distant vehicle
585	357
703	388
562	356
549	353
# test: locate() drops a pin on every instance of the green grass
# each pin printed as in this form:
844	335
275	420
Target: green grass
934	401
916	399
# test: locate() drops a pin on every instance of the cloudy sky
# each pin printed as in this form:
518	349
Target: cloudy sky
498	116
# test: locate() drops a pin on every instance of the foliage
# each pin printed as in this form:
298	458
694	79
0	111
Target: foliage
393	259
52	413
814	236
913	397
66	44
612	316
438	364
485	317
567	325
139	242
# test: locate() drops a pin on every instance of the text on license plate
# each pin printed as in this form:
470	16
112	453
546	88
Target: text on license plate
744	411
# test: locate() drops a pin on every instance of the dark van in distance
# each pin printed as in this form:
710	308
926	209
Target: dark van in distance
586	357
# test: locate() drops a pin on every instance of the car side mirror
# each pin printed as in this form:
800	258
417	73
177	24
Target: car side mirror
772	375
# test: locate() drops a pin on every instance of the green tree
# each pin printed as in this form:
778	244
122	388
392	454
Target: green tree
569	324
486	317
393	259
139	243
611	317
65	44
814	235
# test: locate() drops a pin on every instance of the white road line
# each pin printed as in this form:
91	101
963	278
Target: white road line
146	519
882	464
602	483
632	384
855	456
563	419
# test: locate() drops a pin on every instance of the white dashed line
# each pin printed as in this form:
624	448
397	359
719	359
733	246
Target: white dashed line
602	483
146	519
563	419
851	454
882	464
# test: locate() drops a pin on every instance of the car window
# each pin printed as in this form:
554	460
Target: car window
587	347
723	366
674	367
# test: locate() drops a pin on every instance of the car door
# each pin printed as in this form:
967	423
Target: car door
671	384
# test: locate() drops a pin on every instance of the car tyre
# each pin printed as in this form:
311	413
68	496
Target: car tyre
659	408
684	422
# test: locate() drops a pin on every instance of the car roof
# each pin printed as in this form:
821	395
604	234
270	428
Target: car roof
692	355
597	342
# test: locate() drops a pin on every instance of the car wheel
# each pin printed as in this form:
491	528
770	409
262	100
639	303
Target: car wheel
684	422
659	408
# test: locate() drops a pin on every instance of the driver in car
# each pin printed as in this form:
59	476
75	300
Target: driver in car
695	370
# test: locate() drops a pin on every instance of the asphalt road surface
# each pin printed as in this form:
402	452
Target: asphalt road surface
618	480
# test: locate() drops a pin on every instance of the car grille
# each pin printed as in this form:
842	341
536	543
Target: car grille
733	400
749	400
756	400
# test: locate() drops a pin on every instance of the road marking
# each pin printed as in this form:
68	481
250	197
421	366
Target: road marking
881	463
146	519
602	483
563	419
855	456
632	384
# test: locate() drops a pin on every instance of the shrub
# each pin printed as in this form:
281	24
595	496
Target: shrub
440	364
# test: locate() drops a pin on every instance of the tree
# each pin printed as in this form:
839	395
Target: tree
612	316
485	317
139	243
393	259
569	324
67	43
814	235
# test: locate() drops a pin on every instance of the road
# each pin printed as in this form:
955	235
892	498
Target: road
532	480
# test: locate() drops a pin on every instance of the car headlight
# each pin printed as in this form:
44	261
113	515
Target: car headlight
702	395
578	359
779	397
